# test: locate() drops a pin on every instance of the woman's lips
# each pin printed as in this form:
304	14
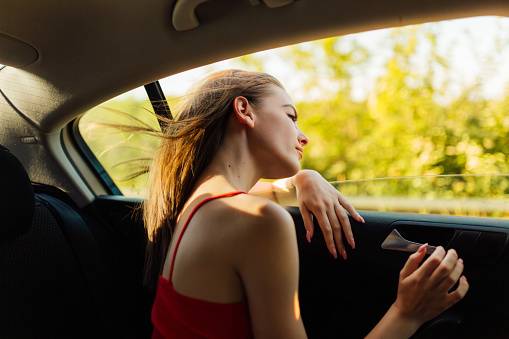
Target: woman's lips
300	150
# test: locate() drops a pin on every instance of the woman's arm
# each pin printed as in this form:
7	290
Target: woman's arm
269	268
315	196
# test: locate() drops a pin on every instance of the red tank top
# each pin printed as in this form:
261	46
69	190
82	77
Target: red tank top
178	316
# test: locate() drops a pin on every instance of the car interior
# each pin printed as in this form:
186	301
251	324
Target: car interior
72	245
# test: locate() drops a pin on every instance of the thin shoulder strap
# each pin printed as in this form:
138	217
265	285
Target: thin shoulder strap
225	195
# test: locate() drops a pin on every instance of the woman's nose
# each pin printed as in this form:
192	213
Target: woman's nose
303	139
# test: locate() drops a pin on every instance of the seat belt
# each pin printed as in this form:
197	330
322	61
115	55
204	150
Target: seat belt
89	257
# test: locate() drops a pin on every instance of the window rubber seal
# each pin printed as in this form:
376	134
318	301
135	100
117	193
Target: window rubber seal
87	154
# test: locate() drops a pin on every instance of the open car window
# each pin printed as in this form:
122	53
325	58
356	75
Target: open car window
113	133
410	119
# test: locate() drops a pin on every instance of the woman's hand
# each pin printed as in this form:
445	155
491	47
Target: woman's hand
423	292
319	198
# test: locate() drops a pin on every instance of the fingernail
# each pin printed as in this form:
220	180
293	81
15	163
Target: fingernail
460	260
352	243
422	248
343	254
464	278
334	253
363	220
308	236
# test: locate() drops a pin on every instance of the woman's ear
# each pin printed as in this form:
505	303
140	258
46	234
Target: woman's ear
243	111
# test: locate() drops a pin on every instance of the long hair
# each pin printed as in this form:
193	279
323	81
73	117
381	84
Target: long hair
190	143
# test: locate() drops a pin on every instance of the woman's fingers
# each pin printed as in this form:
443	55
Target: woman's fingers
441	269
324	220
423	290
413	262
307	217
349	207
327	230
337	233
334	222
446	267
320	199
344	227
459	293
451	279
430	265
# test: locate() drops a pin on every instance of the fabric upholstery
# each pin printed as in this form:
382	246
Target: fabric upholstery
16	196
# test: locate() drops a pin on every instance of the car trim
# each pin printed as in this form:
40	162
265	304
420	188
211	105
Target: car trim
90	158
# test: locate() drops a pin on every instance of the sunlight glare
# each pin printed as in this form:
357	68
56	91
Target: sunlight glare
296	306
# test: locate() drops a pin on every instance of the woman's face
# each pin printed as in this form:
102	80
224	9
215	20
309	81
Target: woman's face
279	141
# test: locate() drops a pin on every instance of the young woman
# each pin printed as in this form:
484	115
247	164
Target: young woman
225	262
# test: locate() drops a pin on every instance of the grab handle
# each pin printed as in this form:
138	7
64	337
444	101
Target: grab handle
396	242
184	18
183	14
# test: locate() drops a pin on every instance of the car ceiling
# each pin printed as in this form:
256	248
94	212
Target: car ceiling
69	56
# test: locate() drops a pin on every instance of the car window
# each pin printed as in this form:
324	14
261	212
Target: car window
118	133
410	119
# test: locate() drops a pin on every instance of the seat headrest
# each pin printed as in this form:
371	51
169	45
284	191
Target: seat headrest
17	201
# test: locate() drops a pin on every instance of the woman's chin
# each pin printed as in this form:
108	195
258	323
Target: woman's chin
295	168
284	173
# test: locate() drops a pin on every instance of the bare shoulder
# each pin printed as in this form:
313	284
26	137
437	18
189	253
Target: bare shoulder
248	219
259	212
260	228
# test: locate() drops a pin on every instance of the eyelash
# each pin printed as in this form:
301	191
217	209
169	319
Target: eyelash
293	117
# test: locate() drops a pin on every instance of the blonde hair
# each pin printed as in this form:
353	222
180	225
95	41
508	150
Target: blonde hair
191	141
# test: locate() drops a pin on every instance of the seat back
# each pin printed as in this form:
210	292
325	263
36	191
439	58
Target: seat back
16	196
43	291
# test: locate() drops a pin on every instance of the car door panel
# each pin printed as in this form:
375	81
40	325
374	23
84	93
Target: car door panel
349	297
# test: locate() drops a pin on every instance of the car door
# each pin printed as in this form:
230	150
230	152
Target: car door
349	297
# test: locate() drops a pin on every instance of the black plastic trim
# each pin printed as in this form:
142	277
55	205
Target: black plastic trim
87	154
158	100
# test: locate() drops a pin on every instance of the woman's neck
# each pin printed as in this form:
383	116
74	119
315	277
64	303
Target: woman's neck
231	169
226	177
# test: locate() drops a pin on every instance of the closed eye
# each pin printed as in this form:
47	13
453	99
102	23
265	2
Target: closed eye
293	117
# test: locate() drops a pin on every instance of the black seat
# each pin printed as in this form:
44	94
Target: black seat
45	288
17	196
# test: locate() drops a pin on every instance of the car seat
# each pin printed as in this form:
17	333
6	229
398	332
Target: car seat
53	282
